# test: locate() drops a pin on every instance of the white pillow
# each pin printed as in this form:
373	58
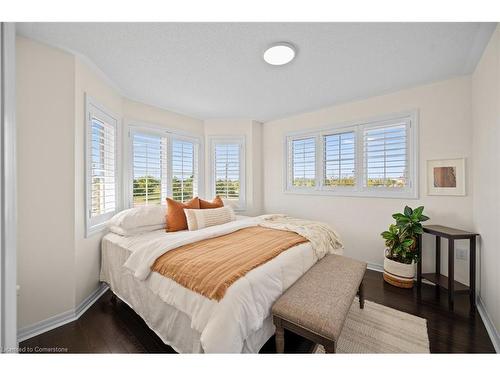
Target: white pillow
144	216
198	219
135	231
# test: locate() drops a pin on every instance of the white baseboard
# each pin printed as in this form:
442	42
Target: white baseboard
488	323
61	319
375	267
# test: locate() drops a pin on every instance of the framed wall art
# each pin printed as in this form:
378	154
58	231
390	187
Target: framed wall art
446	177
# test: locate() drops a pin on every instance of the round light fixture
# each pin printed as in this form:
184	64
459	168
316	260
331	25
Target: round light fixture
279	54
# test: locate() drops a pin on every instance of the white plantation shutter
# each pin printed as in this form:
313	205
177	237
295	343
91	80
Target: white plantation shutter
149	164
184	170
303	162
376	158
227	170
101	170
386	155
339	159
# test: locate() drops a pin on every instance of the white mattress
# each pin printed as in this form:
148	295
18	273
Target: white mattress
180	316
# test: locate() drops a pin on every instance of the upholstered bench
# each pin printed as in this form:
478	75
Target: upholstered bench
316	306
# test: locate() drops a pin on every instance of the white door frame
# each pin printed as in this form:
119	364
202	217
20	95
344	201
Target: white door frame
8	217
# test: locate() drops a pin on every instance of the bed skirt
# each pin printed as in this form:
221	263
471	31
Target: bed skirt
170	324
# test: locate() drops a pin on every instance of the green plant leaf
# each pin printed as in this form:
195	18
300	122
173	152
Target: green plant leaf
403	223
408	242
387	235
424	218
408	211
398	216
418	229
418	211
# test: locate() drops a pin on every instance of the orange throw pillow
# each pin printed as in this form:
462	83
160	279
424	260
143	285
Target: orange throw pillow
176	218
216	203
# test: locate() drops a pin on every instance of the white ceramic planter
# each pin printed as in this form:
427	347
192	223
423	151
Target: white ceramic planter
399	274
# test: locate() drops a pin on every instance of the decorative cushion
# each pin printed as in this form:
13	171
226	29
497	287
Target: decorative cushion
198	219
138	220
176	218
216	203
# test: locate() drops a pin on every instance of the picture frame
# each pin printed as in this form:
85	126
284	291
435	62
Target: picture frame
446	177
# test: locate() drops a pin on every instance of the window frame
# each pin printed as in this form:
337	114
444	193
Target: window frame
359	189
240	140
92	107
169	133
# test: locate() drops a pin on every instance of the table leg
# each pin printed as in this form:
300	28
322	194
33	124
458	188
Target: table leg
451	272
438	255
472	272
438	262
419	264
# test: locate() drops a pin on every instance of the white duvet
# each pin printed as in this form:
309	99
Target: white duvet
225	325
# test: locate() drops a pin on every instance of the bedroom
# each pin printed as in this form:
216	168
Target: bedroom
356	162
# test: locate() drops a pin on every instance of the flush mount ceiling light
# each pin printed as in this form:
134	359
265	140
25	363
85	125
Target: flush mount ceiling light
279	53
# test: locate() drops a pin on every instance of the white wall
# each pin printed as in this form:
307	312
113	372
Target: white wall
252	131
445	132
153	115
486	161
46	185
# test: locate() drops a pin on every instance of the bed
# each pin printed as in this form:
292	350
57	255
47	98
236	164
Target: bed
187	321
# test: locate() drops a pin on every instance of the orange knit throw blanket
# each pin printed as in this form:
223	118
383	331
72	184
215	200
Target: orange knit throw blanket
210	266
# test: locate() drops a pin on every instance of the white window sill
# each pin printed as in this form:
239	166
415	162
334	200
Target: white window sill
96	229
382	193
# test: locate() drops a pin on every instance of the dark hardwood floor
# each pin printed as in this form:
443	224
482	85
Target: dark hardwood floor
115	328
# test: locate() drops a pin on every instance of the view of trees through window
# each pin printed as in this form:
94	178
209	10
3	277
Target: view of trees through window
149	165
150	156
386	156
227	170
183	169
149	186
304	162
339	154
385	159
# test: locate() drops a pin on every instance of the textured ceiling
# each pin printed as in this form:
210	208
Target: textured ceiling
215	70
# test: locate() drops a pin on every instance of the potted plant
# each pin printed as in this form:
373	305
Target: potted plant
401	253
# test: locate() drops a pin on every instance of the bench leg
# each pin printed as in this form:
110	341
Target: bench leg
279	336
361	294
330	347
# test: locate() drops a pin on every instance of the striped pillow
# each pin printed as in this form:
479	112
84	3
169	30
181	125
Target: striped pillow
198	219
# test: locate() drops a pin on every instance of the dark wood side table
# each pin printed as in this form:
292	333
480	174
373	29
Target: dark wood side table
449	282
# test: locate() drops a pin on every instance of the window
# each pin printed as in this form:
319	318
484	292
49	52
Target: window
303	166
339	159
101	166
163	165
228	164
184	167
371	158
385	156
149	168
